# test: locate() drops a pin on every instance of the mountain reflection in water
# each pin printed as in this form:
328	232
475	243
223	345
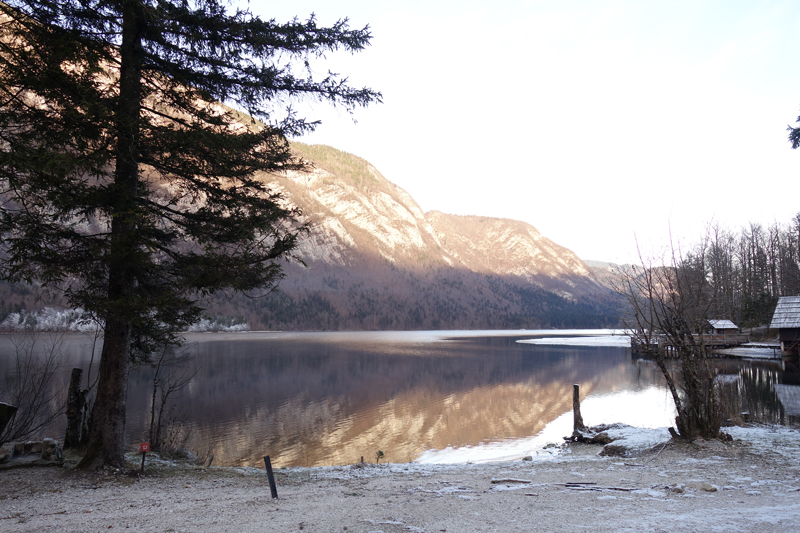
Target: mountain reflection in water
330	398
311	399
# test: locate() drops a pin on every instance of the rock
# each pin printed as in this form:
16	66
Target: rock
601	438
708	487
46	452
6	452
593	435
677	489
51	451
527	458
614	450
32	448
702	485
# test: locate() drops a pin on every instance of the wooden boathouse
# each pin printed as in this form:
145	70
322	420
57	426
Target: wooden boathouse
723	327
724	334
786	320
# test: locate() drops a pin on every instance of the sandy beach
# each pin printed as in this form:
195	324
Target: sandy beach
750	484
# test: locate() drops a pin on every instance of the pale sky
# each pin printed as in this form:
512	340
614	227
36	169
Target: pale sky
598	122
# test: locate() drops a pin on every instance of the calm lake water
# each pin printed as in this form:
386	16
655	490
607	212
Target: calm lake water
312	399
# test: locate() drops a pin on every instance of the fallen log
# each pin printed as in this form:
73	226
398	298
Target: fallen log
511	480
592	486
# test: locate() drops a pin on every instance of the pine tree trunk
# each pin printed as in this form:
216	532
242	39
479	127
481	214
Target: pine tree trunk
107	433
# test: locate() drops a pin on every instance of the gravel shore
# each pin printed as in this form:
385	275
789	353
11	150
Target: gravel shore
750	484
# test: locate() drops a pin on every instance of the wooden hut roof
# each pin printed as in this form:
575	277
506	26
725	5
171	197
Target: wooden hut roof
722	324
787	313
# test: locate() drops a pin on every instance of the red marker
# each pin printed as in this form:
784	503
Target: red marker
144	447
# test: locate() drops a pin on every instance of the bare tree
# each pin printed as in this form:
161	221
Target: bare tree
170	376
668	306
31	384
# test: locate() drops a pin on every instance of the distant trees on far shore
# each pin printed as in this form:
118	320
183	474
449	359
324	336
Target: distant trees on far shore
752	268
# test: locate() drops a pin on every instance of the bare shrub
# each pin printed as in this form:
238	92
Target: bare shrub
668	304
167	431
31	384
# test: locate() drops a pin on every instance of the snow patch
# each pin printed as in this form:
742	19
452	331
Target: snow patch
644	416
605	340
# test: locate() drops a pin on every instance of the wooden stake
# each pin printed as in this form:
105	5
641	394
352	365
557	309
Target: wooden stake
75	401
272	488
577	419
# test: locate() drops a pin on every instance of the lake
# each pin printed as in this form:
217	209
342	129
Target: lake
315	399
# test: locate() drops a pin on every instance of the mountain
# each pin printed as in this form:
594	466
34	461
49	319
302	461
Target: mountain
374	260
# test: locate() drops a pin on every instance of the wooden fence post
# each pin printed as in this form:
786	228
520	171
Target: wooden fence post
272	488
577	419
75	401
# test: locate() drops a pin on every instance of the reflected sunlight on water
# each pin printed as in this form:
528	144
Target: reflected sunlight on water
332	398
317	399
649	408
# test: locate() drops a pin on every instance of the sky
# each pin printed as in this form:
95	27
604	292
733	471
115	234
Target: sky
607	125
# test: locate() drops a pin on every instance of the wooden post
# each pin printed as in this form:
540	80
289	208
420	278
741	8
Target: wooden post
577	419
272	488
75	400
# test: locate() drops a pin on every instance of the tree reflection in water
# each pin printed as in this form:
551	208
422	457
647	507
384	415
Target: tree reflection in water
312	399
331	398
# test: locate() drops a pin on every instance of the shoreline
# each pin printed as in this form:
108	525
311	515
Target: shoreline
750	484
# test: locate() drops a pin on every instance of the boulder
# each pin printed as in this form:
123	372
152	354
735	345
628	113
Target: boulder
46	452
29	448
614	450
601	438
51	451
705	486
6	452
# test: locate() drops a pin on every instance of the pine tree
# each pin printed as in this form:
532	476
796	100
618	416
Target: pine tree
134	138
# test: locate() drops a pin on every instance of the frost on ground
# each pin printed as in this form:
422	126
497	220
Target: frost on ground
750	484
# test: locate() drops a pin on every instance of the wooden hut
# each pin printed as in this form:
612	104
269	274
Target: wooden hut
722	327
786	320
